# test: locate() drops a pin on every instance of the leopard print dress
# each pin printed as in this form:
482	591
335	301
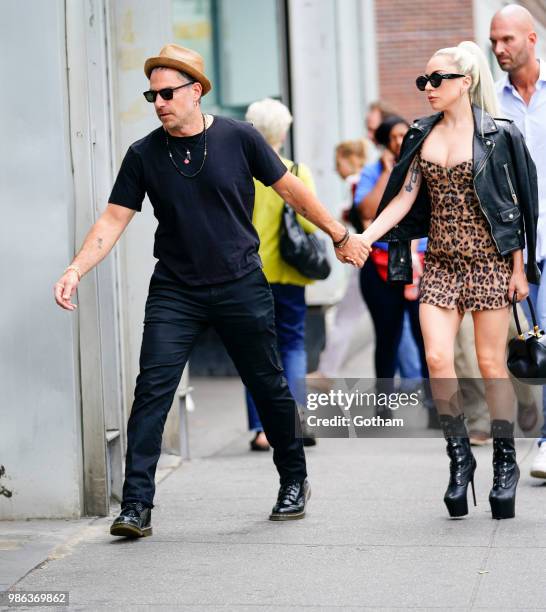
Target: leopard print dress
463	268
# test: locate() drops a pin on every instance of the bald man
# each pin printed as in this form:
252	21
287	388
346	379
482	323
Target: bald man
522	95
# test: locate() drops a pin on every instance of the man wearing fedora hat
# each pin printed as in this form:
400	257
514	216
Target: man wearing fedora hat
197	171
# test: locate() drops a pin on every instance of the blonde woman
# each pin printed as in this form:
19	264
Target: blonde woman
273	119
466	180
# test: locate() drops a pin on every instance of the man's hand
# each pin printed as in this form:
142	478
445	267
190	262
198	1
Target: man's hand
355	251
97	244
65	288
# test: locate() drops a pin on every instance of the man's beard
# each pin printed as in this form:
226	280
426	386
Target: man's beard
517	61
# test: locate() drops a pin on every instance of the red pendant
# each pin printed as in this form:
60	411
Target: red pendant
186	161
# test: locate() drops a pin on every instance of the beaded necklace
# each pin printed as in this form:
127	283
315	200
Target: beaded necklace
188	155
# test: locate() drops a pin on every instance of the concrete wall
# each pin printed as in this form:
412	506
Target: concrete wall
40	438
137	34
331	84
139	30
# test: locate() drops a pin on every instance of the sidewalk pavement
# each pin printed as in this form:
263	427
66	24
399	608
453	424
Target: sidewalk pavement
376	536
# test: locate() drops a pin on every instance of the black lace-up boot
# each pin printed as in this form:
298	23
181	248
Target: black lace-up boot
505	470
291	501
134	521
461	467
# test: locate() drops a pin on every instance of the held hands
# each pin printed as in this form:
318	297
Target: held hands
355	251
65	288
519	284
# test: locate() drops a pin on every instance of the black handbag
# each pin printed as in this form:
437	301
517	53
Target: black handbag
304	252
527	351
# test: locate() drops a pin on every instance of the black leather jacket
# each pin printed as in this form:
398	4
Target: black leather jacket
505	181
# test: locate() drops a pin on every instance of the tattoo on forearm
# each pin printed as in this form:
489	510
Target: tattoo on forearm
414	174
99	243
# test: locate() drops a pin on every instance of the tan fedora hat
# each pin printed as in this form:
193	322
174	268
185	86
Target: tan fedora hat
180	58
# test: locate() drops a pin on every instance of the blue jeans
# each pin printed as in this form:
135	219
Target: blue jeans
537	293
290	312
408	358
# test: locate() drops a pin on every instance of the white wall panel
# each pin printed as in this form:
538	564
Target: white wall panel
40	438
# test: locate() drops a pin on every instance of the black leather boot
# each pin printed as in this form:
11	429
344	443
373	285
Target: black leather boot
134	521
505	470
461	467
291	501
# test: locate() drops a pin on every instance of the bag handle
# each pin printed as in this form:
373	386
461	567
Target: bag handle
536	330
287	207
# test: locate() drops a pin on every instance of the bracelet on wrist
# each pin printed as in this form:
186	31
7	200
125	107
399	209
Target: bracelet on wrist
75	269
341	243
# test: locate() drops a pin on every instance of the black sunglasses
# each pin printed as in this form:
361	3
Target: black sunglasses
435	79
166	94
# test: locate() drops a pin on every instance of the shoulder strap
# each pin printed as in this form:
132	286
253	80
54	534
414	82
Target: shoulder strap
287	208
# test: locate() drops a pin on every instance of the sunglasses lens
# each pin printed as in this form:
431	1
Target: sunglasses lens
435	79
166	94
421	83
150	96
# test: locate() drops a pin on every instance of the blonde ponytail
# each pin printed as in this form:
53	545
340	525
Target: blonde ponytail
482	92
470	60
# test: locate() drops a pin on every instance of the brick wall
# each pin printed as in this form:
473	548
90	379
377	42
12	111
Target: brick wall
408	33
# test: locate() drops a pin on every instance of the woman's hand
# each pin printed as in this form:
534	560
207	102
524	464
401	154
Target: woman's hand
354	252
367	242
518	284
367	246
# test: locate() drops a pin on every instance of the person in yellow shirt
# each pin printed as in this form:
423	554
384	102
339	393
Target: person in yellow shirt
273	119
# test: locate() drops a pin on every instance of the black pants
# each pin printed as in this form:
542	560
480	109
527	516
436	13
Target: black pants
242	313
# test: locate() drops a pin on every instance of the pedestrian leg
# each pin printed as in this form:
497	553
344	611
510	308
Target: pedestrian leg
172	323
244	318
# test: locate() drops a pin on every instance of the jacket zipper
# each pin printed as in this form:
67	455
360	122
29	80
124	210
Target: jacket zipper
514	196
477	196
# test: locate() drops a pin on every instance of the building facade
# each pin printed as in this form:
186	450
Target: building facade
68	378
75	105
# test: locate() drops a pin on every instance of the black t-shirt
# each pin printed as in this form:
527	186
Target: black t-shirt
205	233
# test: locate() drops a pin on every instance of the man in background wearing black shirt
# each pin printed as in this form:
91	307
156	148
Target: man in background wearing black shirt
197	171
